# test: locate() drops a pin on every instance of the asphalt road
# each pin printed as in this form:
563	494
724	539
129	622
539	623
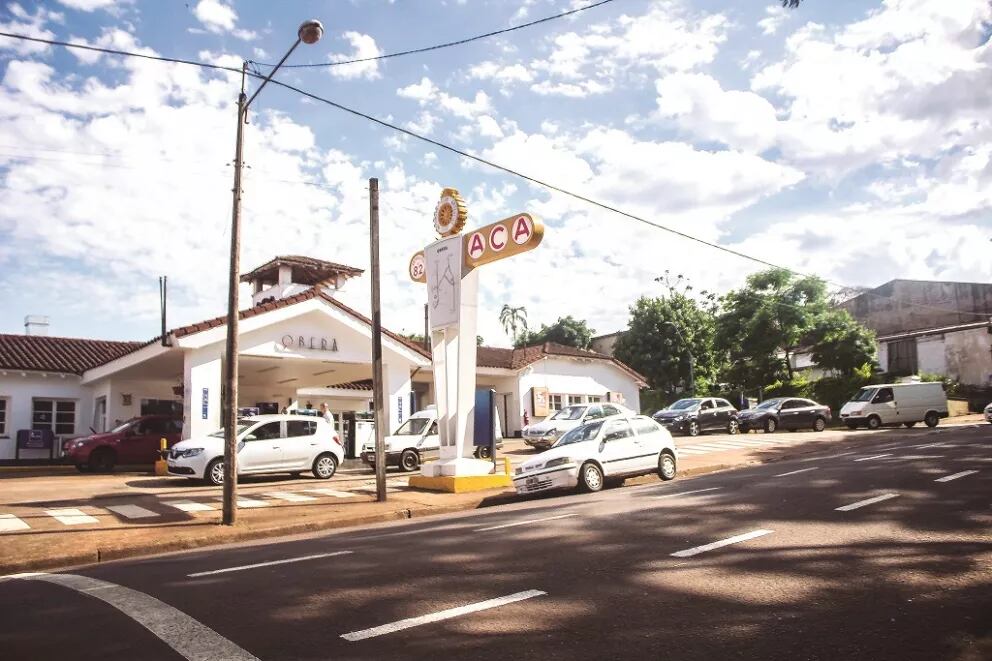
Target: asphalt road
879	553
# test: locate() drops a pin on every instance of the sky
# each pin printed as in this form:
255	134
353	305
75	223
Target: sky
848	139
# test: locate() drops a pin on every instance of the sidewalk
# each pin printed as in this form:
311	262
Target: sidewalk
60	532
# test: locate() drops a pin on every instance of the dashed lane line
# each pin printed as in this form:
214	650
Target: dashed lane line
525	522
796	472
955	476
10	523
736	539
132	511
441	615
866	502
190	638
686	493
71	516
877	456
286	561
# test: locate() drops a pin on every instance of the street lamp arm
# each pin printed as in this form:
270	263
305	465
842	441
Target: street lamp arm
272	73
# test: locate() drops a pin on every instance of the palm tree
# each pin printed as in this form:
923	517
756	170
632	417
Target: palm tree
512	319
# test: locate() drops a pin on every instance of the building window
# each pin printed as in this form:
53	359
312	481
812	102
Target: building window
3	416
902	357
554	403
575	399
595	398
161	407
58	415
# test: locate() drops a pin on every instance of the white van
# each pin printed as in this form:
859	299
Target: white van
896	403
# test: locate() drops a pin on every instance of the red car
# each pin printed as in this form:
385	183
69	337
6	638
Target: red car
136	441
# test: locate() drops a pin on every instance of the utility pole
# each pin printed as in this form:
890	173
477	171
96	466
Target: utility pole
427	331
377	396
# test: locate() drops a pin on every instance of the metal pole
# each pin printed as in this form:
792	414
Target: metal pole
377	396
692	378
230	515
427	332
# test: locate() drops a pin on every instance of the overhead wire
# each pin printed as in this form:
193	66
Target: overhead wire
473	157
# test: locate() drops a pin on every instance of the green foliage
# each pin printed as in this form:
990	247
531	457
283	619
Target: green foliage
951	387
661	334
567	330
840	343
798	386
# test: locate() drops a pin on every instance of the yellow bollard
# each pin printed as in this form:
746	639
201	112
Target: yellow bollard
161	467
507	466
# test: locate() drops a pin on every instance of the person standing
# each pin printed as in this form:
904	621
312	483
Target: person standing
326	414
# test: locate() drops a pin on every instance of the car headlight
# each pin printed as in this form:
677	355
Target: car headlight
681	418
191	452
560	461
856	411
79	444
551	432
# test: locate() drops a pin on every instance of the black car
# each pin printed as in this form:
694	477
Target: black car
785	413
696	415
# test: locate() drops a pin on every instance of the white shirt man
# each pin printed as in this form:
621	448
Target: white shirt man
326	414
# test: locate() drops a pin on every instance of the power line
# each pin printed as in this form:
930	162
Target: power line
478	159
448	44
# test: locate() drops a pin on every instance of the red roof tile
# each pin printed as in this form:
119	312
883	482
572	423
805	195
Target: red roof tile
306	270
69	355
515	359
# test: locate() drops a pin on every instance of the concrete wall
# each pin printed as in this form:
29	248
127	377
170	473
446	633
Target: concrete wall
606	343
573	377
969	356
20	388
895	307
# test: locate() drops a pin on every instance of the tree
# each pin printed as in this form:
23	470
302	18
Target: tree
762	323
513	319
840	343
653	347
567	330
791	4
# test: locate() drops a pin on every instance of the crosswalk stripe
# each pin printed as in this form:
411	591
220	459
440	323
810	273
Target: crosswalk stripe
248	503
692	452
132	511
71	516
330	492
289	496
10	523
190	506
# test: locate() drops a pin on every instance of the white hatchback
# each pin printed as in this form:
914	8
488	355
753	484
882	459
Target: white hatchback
594	453
266	444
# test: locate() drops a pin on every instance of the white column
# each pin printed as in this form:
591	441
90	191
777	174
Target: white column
201	398
397	388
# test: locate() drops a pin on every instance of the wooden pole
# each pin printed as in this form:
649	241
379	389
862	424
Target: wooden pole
378	402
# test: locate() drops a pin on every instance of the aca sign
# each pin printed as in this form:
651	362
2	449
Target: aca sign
505	238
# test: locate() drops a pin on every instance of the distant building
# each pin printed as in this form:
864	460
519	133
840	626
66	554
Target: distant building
605	344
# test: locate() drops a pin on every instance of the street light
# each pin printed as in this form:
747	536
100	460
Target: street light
688	351
309	33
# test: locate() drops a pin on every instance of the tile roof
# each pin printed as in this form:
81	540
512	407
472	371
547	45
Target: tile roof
306	270
364	384
515	359
68	355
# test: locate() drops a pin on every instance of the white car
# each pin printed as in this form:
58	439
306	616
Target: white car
266	444
988	412
600	451
415	441
542	435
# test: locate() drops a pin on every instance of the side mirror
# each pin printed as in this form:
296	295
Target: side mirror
250	437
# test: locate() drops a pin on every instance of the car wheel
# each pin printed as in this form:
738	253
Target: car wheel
666	466
819	424
874	422
931	419
590	478
324	466
733	427
102	460
770	425
909	425
215	473
693	428
484	452
409	461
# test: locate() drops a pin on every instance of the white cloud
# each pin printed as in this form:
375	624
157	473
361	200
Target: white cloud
775	17
92	5
31	25
503	74
220	18
362	46
427	93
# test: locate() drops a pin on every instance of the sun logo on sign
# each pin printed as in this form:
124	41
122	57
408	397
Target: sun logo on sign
451	213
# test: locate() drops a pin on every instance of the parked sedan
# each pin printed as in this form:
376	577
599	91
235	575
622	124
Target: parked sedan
988	412
266	444
136	442
696	415
785	413
542	435
600	451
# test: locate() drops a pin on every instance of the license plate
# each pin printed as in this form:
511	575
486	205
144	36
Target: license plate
531	481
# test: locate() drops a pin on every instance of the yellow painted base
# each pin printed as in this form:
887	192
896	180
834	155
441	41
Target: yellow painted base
461	484
161	467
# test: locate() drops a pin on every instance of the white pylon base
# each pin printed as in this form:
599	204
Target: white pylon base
460	467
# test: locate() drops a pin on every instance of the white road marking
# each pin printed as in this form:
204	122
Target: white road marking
289	496
686	493
736	539
315	556
834	456
441	615
867	501
248	503
711	446
931	445
10	523
132	511
948	478
330	492
525	522
190	506
190	638
691	451
877	456
801	470
71	516
921	456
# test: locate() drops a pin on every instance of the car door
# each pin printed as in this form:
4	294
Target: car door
301	445
261	448
707	415
806	413
430	445
649	442
617	447
884	406
724	412
788	414
141	446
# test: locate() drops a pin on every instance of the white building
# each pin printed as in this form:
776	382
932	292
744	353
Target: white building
299	347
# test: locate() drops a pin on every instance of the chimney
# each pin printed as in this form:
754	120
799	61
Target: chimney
35	324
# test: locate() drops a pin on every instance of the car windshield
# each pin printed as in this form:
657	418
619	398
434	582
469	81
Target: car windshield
684	404
569	413
769	404
242	427
579	434
124	425
413	427
864	395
